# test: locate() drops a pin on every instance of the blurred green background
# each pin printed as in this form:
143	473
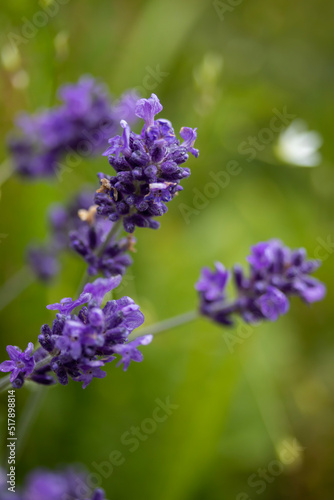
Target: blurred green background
226	66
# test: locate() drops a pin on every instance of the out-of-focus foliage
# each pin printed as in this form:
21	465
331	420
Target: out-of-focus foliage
225	73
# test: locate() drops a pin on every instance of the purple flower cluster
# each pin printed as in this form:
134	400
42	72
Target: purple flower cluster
79	227
80	125
64	218
148	169
79	345
103	255
43	484
21	364
43	259
276	273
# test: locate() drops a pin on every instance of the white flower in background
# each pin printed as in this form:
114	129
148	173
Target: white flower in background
299	146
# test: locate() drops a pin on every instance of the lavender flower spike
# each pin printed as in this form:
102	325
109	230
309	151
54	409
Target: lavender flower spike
78	346
148	169
79	125
276	273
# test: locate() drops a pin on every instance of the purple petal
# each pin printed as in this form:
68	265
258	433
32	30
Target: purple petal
15	373
132	318
273	303
148	108
101	286
65	306
14	352
29	350
213	283
312	290
189	135
7	366
115	146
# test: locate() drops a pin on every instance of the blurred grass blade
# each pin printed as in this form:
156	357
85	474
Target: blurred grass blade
155	40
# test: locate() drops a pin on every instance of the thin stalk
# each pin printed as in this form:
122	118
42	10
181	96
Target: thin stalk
15	286
167	324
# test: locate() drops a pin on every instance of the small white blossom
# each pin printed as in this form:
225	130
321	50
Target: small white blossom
299	146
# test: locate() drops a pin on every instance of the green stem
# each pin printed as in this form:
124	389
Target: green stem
167	324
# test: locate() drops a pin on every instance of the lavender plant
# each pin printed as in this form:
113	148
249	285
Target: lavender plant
89	332
148	175
79	345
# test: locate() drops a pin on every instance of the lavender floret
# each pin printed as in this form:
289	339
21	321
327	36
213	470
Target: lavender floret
21	363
